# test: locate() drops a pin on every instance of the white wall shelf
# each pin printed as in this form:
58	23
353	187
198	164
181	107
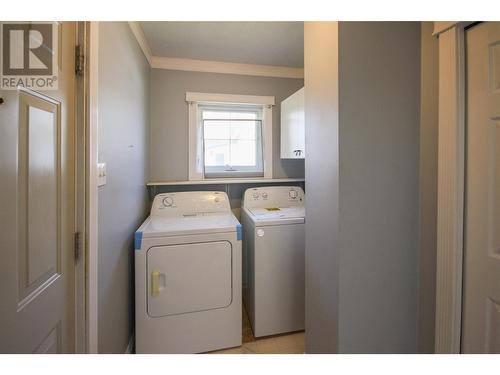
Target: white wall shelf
227	181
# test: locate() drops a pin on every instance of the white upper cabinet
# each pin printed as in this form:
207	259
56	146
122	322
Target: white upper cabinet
293	126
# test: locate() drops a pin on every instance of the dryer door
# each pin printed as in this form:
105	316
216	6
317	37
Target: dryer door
188	278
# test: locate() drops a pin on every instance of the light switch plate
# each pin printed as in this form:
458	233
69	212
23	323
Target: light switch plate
101	174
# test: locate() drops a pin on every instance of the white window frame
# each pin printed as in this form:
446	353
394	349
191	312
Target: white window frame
196	157
242	171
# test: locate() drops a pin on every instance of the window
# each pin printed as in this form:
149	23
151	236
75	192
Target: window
232	141
229	136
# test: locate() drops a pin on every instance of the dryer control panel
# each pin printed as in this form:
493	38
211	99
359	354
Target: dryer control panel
189	203
274	196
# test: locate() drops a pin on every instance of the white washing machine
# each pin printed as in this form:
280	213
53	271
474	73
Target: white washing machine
273	221
188	275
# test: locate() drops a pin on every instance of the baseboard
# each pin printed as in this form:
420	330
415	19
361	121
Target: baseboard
130	346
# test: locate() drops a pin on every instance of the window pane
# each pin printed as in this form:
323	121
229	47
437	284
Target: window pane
244	115
244	129
232	140
217	153
243	153
216	115
213	114
216	129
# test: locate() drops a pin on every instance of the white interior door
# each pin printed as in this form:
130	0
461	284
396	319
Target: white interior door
37	218
481	303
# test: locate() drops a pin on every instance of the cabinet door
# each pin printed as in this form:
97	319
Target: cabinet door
293	126
300	121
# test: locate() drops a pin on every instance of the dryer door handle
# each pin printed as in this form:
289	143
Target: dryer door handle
157	283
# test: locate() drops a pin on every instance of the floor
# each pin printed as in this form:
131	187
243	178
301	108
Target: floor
293	343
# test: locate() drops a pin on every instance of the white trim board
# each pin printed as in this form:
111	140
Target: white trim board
92	198
202	97
442	26
451	182
171	63
141	39
194	65
226	181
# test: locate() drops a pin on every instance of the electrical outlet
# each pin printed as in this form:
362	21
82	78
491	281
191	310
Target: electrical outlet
101	174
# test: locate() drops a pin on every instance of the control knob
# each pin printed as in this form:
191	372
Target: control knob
168	201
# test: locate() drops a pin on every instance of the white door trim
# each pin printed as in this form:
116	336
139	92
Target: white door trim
91	188
80	198
451	182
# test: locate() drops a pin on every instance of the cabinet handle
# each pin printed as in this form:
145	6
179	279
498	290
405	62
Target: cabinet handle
297	152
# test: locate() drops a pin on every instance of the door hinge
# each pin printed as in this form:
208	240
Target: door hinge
79	60
78	245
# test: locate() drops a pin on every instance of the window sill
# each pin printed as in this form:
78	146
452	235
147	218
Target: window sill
225	181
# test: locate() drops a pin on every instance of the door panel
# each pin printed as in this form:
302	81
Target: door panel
52	343
493	326
481	309
38	246
37	220
189	277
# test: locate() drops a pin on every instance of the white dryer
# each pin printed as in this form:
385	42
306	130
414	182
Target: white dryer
188	275
273	221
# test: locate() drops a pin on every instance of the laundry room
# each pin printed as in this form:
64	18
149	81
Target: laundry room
251	187
203	163
224	105
237	187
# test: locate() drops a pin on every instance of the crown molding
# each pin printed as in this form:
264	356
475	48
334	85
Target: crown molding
141	39
192	65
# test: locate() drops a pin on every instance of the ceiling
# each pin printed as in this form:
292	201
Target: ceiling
263	43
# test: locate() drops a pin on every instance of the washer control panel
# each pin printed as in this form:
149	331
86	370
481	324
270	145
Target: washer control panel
274	196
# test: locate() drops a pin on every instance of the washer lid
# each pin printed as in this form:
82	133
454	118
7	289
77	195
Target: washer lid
199	223
277	215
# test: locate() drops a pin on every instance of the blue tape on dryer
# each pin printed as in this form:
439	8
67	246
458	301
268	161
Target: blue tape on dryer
138	240
239	232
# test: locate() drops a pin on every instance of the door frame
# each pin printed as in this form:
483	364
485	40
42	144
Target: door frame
86	278
91	51
451	185
80	187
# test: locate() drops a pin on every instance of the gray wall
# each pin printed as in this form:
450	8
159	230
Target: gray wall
123	145
379	65
322	162
368	259
428	187
169	116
